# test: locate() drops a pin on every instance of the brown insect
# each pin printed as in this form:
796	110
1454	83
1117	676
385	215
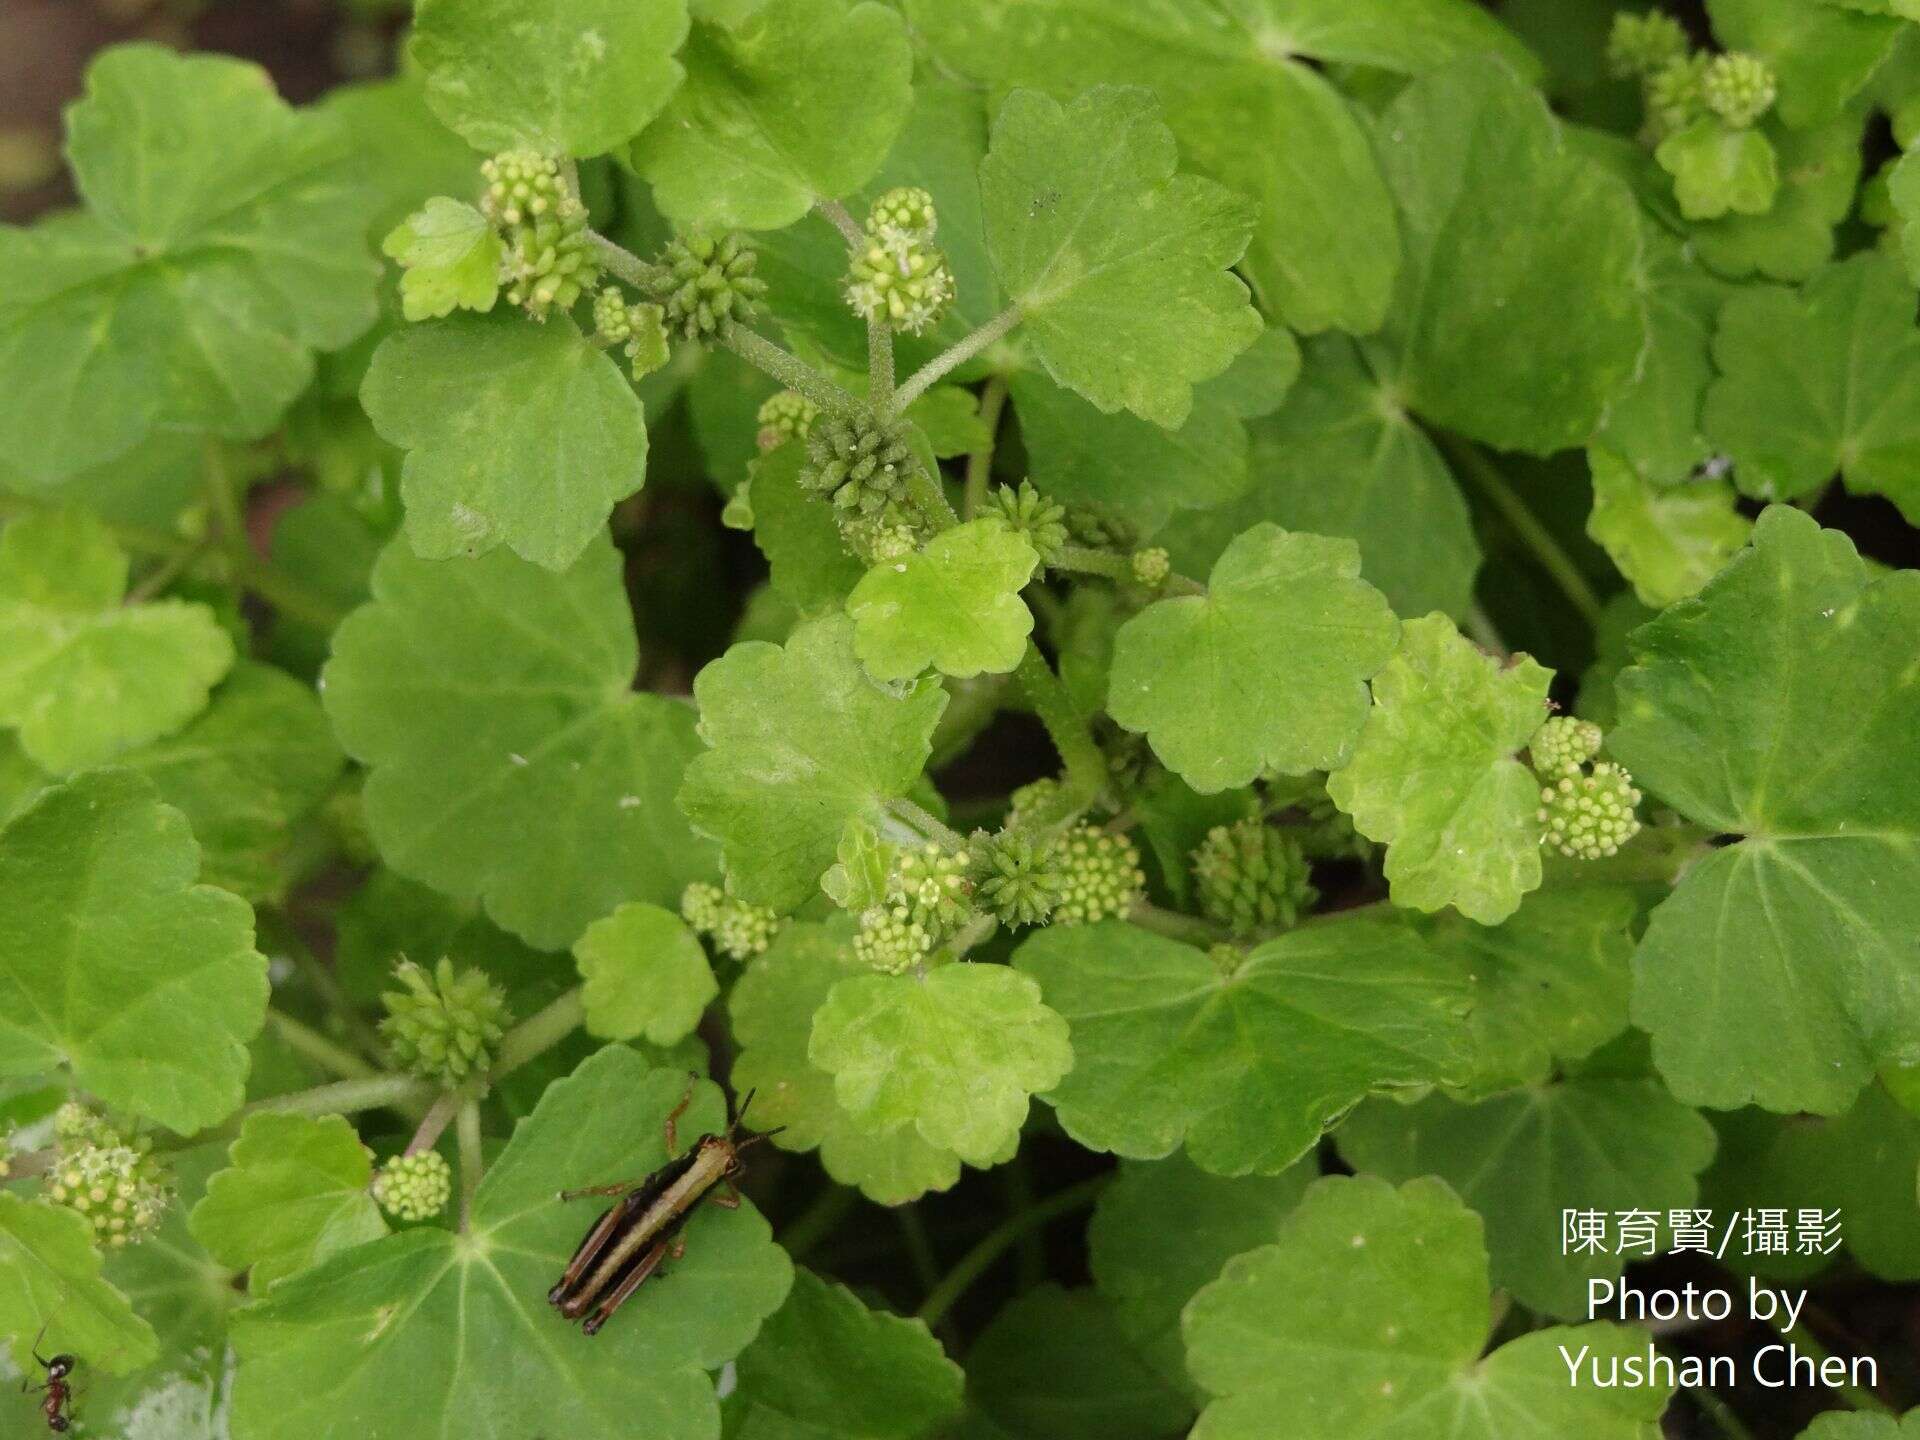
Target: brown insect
632	1239
56	1396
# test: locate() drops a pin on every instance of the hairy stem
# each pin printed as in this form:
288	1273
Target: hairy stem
1086	767
472	1161
945	363
307	1041
838	216
993	404
920	1253
924	825
790	370
626	265
977	1261
1485	476
1188	928
539	1033
880	365
345	1097
439	1115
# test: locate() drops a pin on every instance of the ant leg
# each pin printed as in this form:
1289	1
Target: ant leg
43	1364
673	1117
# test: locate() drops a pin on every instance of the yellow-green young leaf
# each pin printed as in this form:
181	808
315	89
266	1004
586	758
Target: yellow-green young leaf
572	77
1580	1144
772	1009
222	243
517	434
1369	1317
1267	671
1717	168
50	1277
794	101
645	975
954	1054
427	1322
1819	173
1503	221
825	1367
1246	1058
802	741
1782	704
510	760
1793	405
82	676
1822	54
1118	264
115	963
449	257
1668	542
294	1191
954	605
1434	777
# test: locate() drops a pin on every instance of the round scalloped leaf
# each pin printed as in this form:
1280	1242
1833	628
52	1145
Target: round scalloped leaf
222	244
954	605
294	1191
802	741
772	1009
82	675
1118	264
1841	1426
449	257
1267	671
1667	541
511	760
1368	1317
1821	54
1782	704
798	100
516	434
645	975
1435	780
115	963
1524	1158
1717	168
956	1054
1819	175
825	1367
427	1322
573	77
1247	1059
50	1277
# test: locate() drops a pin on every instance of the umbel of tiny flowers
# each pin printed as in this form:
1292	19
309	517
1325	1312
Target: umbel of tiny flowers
1251	877
929	895
707	284
414	1187
861	465
1042	521
1641	45
548	259
1100	875
1562	745
897	275
785	416
1674	96
1739	88
442	1024
1589	817
738	930
1151	566
1019	882
640	329
107	1177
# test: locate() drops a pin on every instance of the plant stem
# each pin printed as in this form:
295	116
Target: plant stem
625	264
913	1230
1719	1412
1032	1255
434	1125
1553	558
327	985
925	825
880	365
166	572
926	492
539	1033
1479	625
993	404
318	1048
838	216
1188	928
790	370
398	1092
977	1261
1859	1397
1086	767
472	1161
816	1222
945	363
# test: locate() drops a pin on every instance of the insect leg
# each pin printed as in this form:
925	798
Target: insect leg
673	1117
589	1251
730	1199
618	1187
630	1282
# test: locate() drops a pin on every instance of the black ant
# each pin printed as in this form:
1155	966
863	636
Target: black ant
55	1394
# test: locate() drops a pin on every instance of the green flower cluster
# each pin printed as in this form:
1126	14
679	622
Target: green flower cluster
640	329
862	467
1590	816
878	539
107	1177
548	258
707	285
414	1187
443	1023
737	929
1562	745
1643	45
1042	521
1152	566
1252	877
929	895
786	416
1020	881
897	275
1100	876
1680	85
1739	88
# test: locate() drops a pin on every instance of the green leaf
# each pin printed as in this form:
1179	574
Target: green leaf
955	1053
252	766
1821	55
809	563
1245	1058
1260	377
825	1367
456	1326
1163	1229
511	761
1368	1319
1504	221
1717	168
1819	170
407	156
50	1277
1839	1425
1782	705
772	1008
575	77
1793	405
1434	776
798	101
294	1192
1667	542
518	435
1265	672
450	257
222	244
1395	497
84	677
1524	1158
1903	189
1117	263
645	975
116	963
802	741
953	605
